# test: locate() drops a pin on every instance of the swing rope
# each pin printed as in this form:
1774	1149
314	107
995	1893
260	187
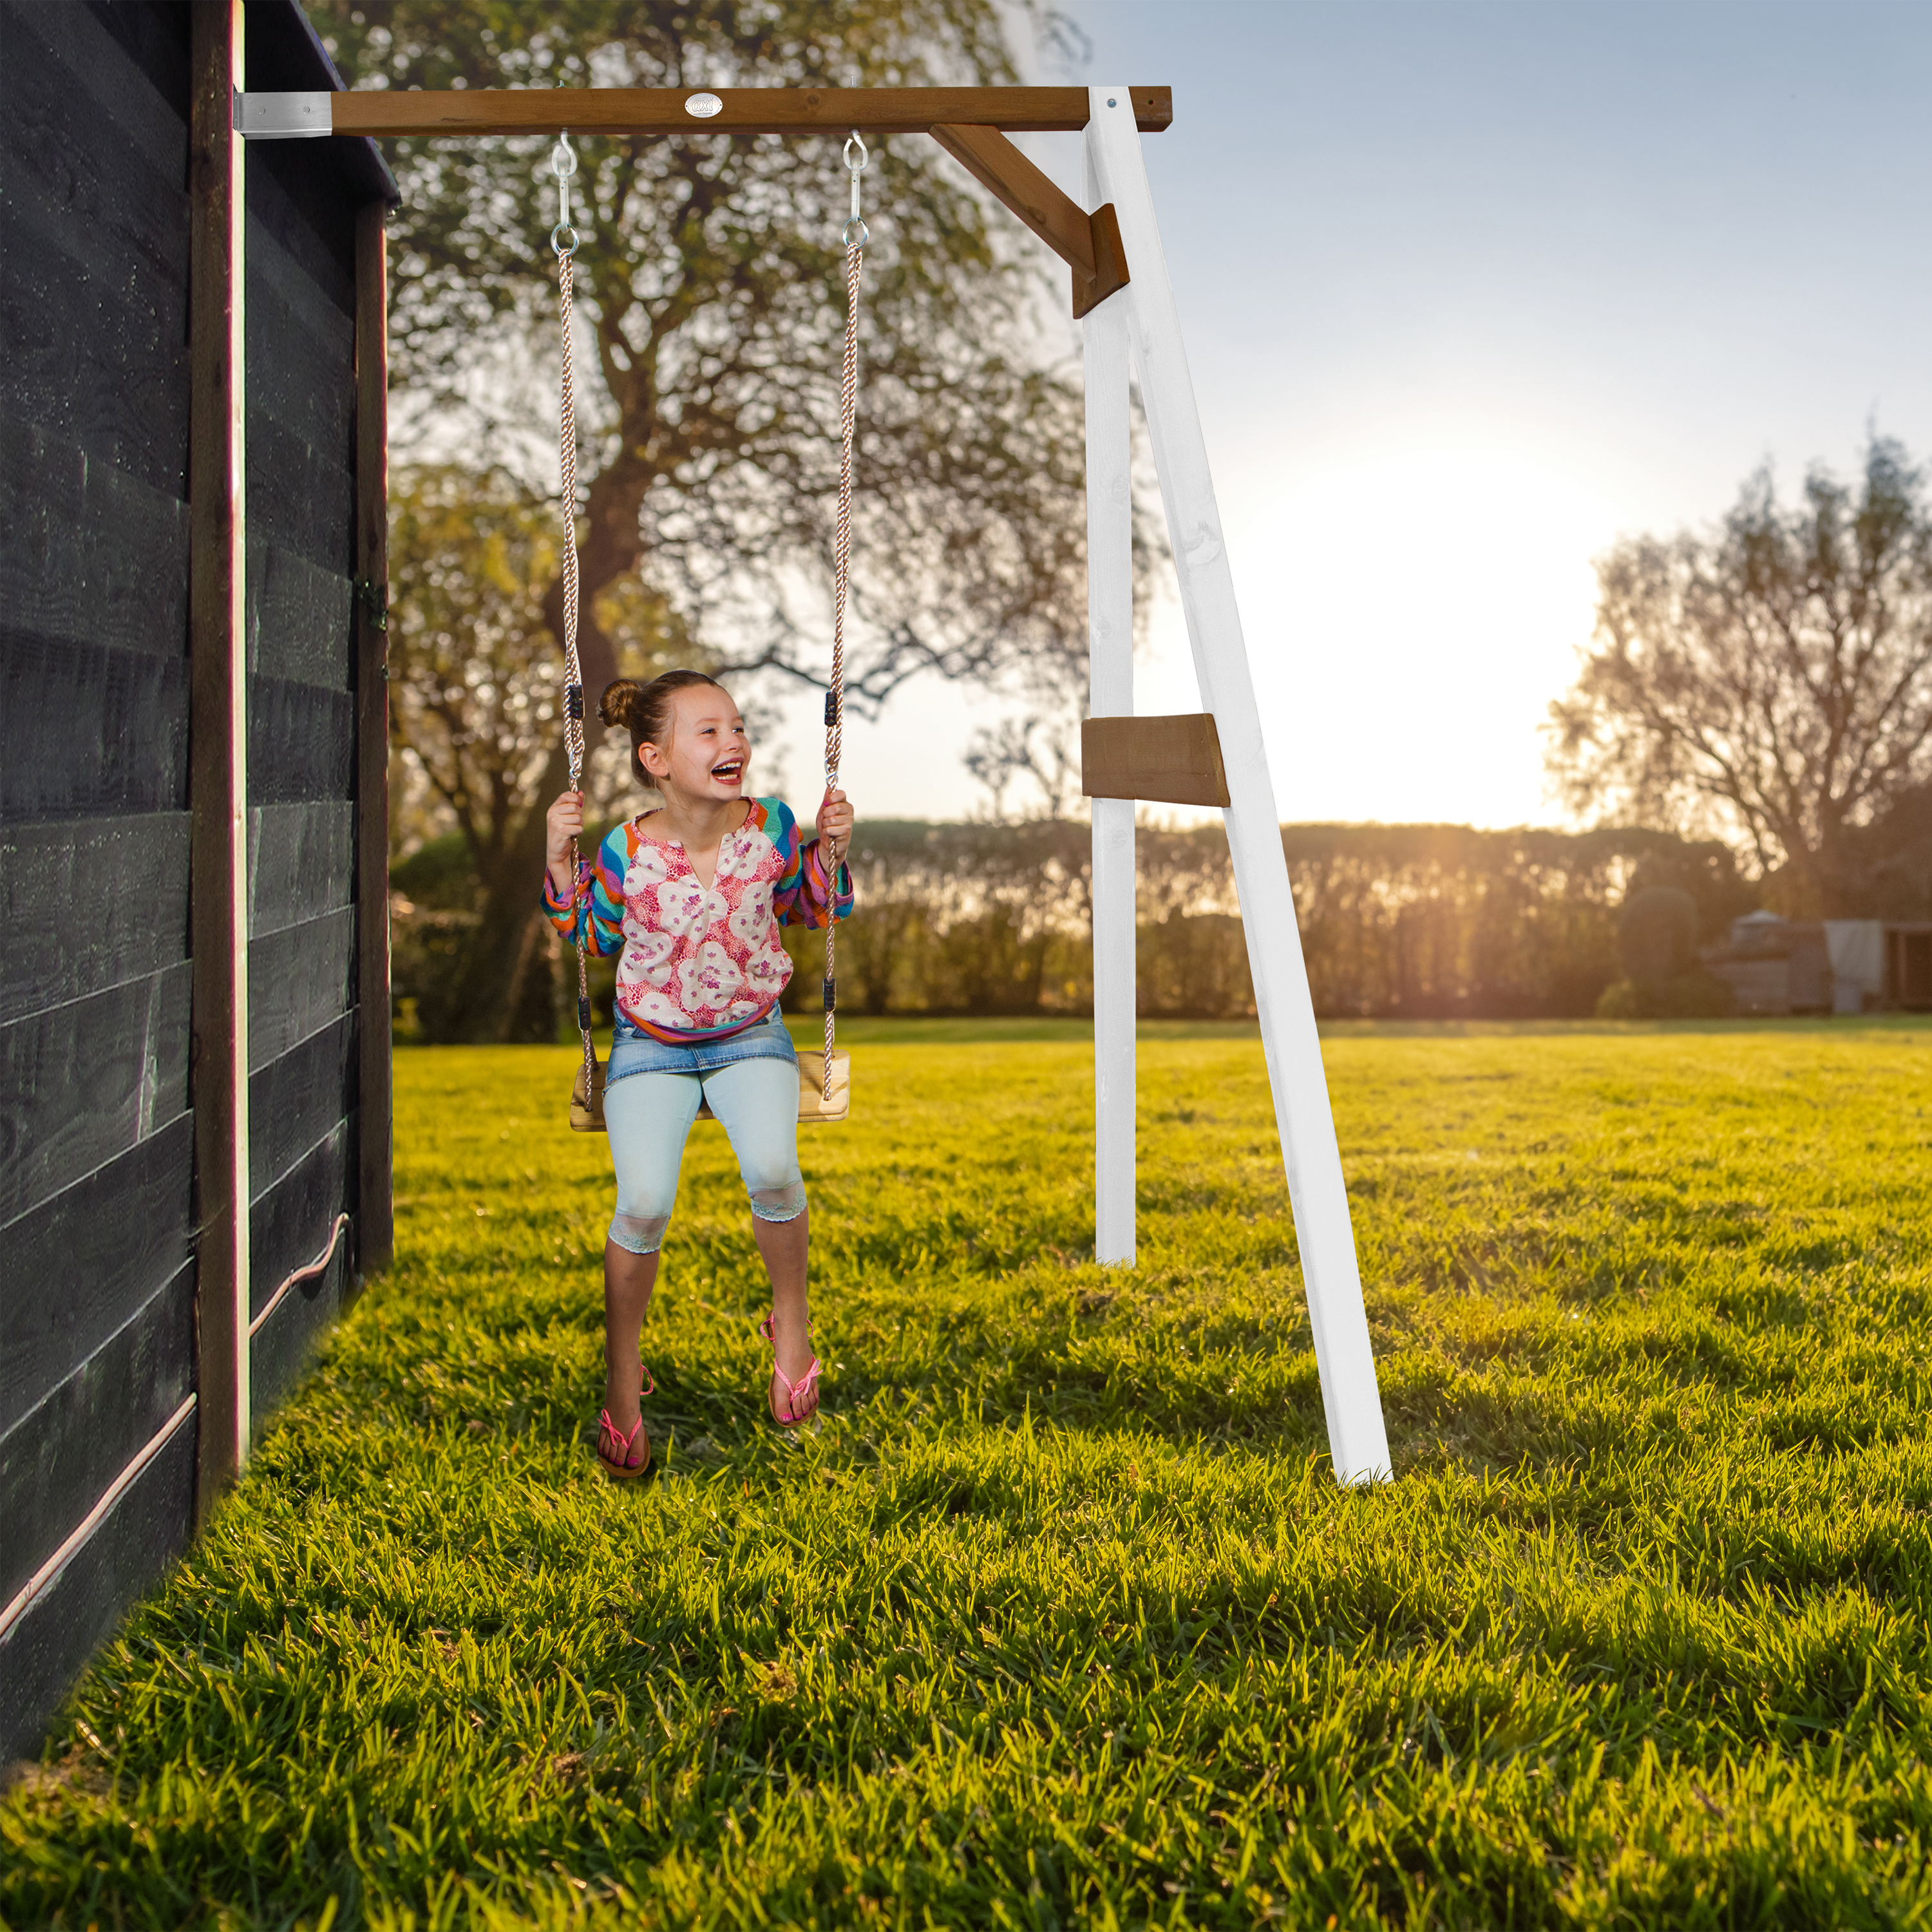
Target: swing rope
563	239
854	238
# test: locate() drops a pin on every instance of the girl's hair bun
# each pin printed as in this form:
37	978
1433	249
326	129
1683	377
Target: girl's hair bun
644	711
620	706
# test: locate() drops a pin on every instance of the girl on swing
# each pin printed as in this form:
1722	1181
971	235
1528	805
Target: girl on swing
690	898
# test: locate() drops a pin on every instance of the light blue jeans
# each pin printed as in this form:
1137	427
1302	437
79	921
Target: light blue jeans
651	1097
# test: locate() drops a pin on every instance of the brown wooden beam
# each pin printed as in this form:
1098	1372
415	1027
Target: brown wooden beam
742	110
217	748
1090	245
1173	760
375	1219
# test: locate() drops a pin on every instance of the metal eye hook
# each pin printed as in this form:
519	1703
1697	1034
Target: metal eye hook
854	235
563	165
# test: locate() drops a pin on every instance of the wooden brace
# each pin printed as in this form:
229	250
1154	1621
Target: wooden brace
1175	761
1090	245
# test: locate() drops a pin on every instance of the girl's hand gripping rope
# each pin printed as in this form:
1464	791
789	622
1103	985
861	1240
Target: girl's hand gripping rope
563	826
834	828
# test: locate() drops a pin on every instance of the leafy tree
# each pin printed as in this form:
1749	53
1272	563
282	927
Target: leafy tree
476	681
711	291
1770	681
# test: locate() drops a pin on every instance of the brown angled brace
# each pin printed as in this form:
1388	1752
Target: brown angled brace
1090	245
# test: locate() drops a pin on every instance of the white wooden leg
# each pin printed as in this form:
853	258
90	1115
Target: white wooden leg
1110	645
1357	1441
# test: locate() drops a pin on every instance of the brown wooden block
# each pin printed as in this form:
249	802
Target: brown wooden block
1173	761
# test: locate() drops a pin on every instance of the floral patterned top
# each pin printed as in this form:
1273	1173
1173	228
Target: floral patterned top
696	962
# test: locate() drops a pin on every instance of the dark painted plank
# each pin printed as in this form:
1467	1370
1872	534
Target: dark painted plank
87	554
57	1462
89	366
294	1101
299	979
301	741
375	1213
155	39
308	215
301	352
284	53
143	100
301	618
302	860
80	1265
85	1081
84	731
288	1224
283	1346
86	188
87	903
299	497
128	1554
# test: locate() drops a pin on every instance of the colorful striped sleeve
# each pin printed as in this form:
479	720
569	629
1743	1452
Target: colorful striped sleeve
597	913
805	896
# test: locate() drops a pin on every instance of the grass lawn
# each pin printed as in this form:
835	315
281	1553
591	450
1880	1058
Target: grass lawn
1058	1618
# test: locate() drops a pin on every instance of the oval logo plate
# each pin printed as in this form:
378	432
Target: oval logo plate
704	106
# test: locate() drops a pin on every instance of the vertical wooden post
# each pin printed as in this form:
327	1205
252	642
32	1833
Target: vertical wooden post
1110	652
1358	1442
218	749
375	1221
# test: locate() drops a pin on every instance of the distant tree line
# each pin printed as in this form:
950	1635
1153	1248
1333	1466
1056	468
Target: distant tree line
1416	922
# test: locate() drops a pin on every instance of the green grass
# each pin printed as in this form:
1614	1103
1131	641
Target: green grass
1059	1618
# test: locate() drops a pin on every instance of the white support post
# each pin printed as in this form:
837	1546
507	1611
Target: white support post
1110	653
1358	1442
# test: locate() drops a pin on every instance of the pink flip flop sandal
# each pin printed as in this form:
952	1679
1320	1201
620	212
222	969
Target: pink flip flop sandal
801	1397
614	1448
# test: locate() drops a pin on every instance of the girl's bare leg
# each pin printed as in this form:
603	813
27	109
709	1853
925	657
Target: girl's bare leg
628	1279
785	1246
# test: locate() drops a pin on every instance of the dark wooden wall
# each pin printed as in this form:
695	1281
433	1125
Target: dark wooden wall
299	314
97	1278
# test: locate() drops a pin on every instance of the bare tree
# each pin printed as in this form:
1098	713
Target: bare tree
1770	681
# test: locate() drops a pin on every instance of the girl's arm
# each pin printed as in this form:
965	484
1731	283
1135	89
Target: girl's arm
592	905
817	887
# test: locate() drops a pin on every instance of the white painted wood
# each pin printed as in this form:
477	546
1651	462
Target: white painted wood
1357	1441
1110	648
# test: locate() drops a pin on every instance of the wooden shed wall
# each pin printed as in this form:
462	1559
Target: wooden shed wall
96	1328
97	1270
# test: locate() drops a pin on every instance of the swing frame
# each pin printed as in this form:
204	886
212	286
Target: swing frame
1122	296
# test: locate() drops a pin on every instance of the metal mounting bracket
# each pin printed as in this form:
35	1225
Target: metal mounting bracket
260	116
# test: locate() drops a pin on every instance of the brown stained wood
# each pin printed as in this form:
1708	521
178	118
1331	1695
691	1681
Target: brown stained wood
996	164
375	1219
745	110
1173	760
218	751
1090	245
1110	262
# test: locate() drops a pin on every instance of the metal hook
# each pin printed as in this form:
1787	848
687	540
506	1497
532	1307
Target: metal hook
854	233
563	165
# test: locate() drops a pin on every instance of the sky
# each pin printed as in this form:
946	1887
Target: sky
1470	291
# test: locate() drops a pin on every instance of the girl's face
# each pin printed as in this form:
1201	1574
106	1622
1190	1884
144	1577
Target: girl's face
704	753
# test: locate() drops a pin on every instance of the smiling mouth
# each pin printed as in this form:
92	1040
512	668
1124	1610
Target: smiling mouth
729	772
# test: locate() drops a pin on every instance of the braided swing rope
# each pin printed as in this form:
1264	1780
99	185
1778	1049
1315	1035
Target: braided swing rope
854	237
563	238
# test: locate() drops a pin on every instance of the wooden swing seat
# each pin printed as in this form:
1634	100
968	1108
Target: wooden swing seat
586	1112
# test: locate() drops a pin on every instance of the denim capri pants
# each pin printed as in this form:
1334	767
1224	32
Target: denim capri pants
651	1096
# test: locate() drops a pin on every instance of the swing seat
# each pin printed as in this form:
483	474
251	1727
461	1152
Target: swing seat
587	1110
